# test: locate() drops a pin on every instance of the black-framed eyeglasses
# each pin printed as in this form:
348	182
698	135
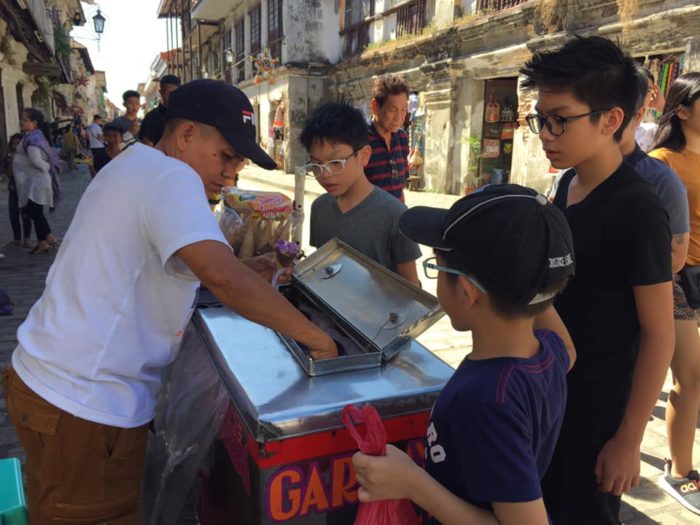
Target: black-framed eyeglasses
334	167
555	124
432	270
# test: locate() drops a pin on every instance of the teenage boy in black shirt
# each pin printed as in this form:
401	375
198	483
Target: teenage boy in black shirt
618	308
153	124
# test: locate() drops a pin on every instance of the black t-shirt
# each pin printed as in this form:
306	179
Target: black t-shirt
153	125
100	159
622	239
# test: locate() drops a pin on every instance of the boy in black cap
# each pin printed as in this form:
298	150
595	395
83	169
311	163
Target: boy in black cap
502	255
619	307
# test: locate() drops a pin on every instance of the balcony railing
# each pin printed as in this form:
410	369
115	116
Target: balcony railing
355	39
410	18
497	5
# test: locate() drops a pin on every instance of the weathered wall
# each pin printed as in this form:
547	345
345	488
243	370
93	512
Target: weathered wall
12	75
450	64
311	32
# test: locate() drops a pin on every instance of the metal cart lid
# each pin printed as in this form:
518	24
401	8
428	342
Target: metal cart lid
278	400
381	305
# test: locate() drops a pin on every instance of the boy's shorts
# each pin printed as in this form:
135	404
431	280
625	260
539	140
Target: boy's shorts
78	472
682	310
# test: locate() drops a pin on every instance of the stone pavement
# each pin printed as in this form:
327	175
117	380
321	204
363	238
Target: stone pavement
23	275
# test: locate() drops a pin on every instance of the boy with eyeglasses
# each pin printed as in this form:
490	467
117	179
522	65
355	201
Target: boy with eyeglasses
619	306
502	255
354	210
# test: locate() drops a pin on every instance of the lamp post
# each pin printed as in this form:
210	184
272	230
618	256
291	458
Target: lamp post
99	22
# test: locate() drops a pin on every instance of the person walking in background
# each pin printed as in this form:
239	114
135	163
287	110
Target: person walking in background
69	147
677	143
388	165
113	139
94	132
154	122
129	123
21	223
32	165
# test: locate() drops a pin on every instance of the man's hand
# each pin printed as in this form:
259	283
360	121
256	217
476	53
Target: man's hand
266	265
385	477
617	467
326	349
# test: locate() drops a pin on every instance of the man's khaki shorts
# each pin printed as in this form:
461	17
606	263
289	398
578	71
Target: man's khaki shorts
78	472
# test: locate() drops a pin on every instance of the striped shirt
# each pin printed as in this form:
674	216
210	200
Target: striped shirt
388	169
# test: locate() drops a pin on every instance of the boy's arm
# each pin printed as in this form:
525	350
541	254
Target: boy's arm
617	468
679	251
396	476
408	271
550	320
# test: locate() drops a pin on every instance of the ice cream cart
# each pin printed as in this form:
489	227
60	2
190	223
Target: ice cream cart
282	454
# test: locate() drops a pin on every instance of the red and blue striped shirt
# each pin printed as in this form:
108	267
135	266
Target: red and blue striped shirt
388	169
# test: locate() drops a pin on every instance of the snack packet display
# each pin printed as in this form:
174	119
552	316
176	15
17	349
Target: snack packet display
263	219
232	227
266	205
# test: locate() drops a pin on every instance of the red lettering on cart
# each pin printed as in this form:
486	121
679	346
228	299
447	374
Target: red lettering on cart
344	484
234	439
294	492
284	494
314	492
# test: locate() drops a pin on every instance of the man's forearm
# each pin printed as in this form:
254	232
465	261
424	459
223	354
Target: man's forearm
253	298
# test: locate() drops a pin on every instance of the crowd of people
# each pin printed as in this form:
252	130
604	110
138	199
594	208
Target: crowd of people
577	306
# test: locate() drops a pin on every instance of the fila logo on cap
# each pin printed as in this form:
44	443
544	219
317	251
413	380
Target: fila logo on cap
561	262
247	117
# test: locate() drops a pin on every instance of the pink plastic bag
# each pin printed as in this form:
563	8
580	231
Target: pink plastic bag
384	512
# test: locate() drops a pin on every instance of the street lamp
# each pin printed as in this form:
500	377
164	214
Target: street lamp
99	22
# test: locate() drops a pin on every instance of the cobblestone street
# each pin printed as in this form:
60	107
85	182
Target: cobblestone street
22	275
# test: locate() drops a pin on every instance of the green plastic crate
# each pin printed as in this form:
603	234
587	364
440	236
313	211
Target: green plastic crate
13	508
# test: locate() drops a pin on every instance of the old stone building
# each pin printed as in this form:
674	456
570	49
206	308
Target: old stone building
40	66
460	57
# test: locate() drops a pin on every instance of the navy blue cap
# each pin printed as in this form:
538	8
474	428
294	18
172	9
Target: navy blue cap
224	107
510	238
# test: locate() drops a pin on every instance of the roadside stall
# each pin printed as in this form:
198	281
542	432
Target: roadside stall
268	417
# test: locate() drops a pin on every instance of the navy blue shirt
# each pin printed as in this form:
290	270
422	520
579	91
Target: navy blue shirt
494	426
388	169
668	186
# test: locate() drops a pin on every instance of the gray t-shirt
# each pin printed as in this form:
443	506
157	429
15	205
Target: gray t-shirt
371	227
668	186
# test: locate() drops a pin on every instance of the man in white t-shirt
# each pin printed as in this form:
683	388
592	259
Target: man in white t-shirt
94	132
87	370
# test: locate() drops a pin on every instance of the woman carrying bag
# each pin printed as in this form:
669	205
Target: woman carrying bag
35	167
677	143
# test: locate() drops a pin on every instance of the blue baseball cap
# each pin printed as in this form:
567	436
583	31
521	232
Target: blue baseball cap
225	107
